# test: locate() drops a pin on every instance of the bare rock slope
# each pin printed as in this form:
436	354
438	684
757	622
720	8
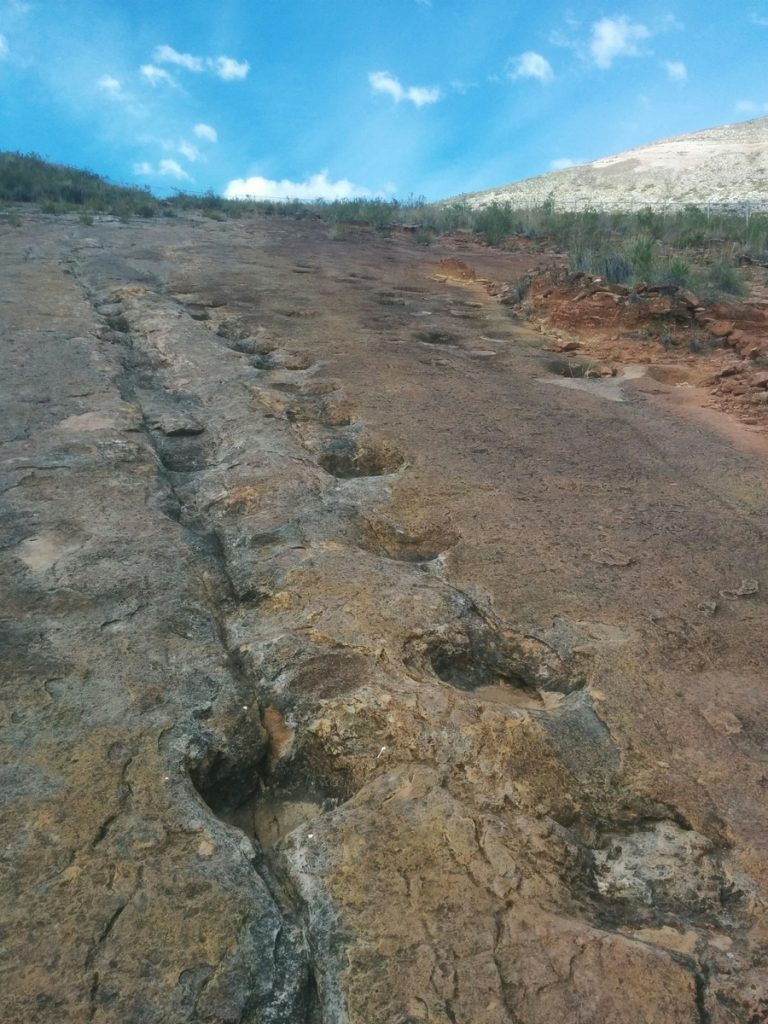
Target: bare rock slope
723	166
352	672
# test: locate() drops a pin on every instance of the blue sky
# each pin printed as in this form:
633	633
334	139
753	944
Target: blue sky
334	97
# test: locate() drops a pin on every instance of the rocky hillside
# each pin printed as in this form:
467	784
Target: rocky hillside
726	166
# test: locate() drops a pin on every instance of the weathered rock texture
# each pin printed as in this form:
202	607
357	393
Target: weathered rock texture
351	672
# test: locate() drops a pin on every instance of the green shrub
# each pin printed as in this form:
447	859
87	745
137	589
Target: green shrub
641	254
519	289
724	278
675	271
614	268
27	178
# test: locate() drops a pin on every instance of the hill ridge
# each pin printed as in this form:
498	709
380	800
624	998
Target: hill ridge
724	166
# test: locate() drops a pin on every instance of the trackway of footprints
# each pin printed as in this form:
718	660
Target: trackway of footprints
292	501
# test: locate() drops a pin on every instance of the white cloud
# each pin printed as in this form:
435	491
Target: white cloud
566	35
531	65
188	150
167	168
382	81
110	85
676	70
206	133
3	47
759	19
561	163
616	37
228	69
114	90
172	169
462	87
316	186
419	95
156	76
751	107
167	55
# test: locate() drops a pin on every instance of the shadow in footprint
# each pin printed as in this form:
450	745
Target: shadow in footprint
280	360
348	457
437	337
575	368
470	655
382	536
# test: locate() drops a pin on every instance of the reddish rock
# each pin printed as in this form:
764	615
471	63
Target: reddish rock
660	305
457	269
689	298
747	343
720	328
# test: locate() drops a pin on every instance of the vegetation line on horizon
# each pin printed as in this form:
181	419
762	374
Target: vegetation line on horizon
620	246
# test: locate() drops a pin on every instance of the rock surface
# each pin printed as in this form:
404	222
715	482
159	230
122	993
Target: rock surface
351	674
